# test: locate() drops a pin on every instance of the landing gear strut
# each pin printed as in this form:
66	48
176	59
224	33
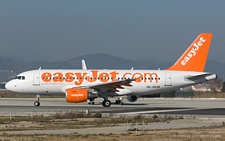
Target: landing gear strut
91	101
119	101
37	103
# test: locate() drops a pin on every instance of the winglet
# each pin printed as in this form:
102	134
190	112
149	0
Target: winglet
194	58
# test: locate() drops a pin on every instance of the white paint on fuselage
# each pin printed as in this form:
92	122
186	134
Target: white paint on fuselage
177	79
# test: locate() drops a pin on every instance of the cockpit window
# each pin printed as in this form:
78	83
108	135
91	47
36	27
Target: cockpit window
16	77
20	77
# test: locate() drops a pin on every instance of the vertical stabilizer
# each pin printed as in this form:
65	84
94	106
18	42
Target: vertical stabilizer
84	67
194	58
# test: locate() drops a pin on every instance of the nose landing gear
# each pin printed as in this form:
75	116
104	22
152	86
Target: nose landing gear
37	103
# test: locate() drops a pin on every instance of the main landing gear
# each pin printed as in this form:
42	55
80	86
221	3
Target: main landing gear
119	101
91	101
37	103
106	103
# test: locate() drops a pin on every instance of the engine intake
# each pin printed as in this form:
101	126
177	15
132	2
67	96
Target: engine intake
77	95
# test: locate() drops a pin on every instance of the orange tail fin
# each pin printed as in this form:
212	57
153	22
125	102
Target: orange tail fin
194	58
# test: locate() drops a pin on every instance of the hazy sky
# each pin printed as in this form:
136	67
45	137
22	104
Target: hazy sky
57	30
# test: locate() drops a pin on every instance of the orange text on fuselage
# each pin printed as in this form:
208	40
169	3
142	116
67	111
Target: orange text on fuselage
79	77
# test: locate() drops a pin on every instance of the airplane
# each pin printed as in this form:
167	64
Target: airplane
82	85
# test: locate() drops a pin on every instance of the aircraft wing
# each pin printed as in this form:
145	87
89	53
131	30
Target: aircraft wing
112	86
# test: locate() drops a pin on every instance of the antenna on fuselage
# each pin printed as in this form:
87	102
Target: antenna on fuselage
39	68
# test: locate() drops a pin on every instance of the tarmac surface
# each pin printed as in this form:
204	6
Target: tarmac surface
198	112
197	107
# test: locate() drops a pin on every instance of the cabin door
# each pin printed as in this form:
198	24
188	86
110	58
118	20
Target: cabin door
36	79
168	79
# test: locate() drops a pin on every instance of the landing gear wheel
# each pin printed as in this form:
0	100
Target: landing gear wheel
36	103
119	102
106	103
91	103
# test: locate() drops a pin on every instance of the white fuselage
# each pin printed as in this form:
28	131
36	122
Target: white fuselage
146	81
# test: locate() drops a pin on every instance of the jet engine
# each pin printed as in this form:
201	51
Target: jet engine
77	95
132	98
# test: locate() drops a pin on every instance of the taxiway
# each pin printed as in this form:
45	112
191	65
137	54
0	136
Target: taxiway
199	107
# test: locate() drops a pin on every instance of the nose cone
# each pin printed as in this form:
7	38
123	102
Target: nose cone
8	86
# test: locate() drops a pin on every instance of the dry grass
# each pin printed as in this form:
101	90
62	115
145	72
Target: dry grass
211	134
74	120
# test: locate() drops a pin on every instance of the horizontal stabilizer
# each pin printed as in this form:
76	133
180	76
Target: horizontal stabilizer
195	77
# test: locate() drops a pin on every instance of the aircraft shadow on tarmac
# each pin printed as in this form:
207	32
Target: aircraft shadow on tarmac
113	103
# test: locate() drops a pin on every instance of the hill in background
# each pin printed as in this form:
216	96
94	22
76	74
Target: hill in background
10	66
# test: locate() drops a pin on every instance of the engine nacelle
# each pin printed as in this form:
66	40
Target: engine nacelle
77	95
132	98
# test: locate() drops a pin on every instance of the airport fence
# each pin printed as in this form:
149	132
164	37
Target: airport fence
65	113
194	94
188	94
172	94
8	94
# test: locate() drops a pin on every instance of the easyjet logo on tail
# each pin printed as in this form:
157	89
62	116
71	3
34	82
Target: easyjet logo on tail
79	77
193	51
194	58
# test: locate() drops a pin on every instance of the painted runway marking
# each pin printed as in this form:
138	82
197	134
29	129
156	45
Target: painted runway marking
158	111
